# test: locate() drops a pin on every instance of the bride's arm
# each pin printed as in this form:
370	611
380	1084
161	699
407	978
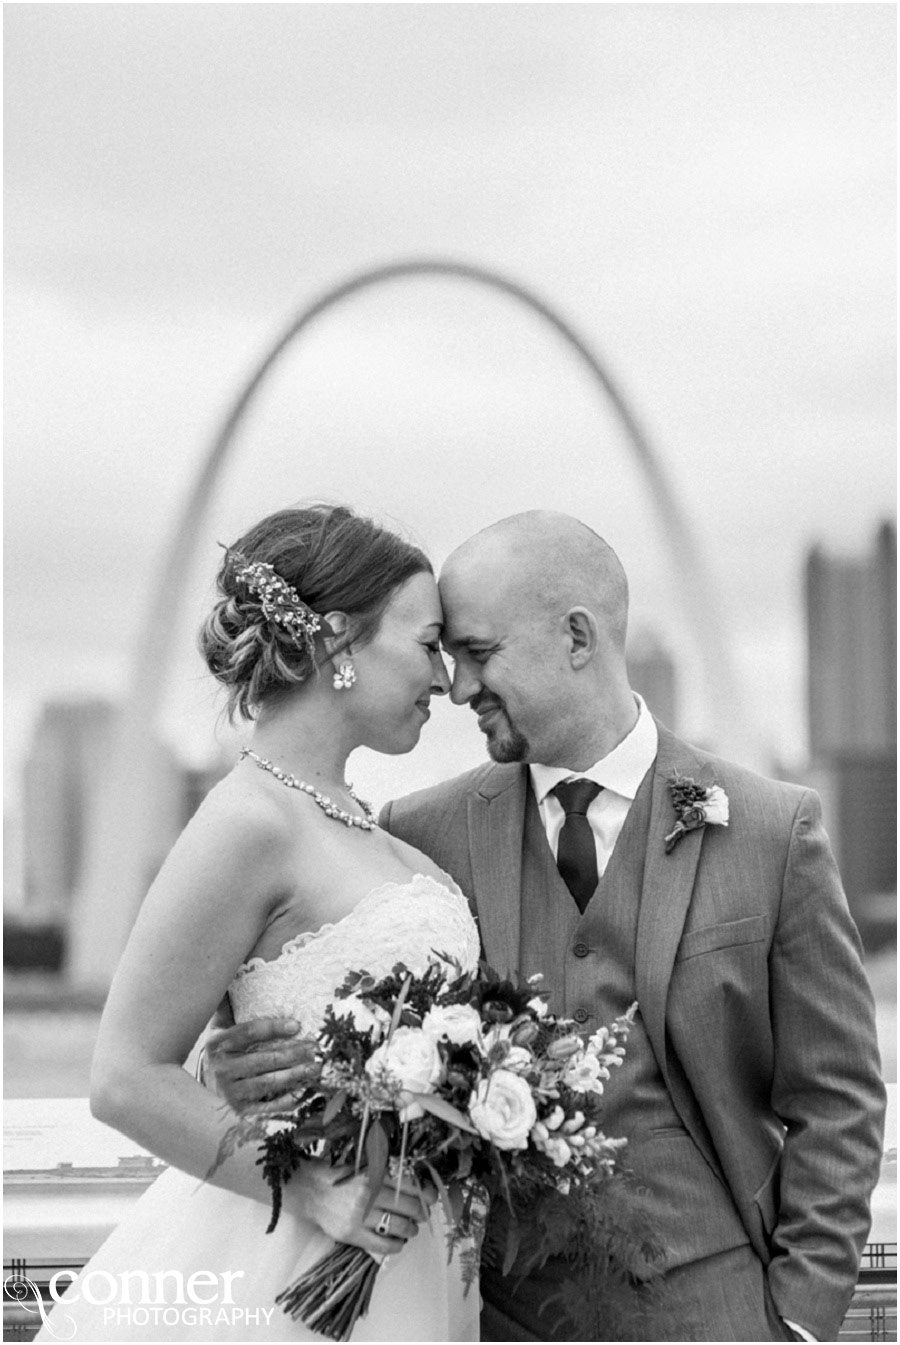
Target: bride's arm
203	914
201	917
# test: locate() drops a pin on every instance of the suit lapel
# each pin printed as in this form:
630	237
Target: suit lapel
496	821
666	892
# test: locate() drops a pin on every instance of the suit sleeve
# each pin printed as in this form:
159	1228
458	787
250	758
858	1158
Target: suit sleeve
827	1086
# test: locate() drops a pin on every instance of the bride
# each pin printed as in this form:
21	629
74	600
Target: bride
325	635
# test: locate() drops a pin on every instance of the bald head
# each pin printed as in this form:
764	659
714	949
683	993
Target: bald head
535	611
544	563
534	616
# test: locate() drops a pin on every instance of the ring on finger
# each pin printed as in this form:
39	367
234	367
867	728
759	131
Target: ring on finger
384	1224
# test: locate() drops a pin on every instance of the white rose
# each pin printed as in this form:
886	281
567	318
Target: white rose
502	1110
366	1018
715	806
412	1061
459	1023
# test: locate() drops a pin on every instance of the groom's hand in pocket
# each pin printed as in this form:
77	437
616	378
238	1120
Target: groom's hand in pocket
259	1064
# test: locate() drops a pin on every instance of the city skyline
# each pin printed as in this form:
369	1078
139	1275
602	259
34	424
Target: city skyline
69	749
850	623
851	637
706	191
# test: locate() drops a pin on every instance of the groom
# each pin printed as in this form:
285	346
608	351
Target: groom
750	1093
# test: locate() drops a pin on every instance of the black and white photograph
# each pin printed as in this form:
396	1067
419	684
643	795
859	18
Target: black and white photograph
450	767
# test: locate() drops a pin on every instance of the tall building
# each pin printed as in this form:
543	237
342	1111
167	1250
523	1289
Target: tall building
68	754
851	606
62	800
651	672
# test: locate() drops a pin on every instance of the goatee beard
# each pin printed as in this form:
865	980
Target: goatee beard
508	744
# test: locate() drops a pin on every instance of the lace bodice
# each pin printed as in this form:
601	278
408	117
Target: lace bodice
409	922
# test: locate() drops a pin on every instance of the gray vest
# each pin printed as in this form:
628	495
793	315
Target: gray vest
588	963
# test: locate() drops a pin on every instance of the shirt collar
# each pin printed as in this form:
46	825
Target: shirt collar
621	770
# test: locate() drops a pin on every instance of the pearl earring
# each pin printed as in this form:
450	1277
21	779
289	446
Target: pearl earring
344	677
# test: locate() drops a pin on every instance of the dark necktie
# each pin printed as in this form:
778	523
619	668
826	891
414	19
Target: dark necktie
576	857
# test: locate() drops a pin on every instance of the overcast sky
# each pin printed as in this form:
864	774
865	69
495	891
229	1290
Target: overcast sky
705	191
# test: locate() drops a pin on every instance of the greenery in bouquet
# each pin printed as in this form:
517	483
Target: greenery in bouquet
466	1083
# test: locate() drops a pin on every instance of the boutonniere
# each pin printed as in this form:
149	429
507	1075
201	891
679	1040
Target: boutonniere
695	806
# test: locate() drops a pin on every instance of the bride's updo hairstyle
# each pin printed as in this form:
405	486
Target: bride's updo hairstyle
335	561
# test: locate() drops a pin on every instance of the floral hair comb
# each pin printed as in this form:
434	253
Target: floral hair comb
279	600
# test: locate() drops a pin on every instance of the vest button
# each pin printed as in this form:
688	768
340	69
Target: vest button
581	1015
581	950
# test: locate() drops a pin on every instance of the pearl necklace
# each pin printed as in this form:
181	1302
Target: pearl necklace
328	806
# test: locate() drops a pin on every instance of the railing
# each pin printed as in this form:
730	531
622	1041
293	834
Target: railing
872	1314
68	1183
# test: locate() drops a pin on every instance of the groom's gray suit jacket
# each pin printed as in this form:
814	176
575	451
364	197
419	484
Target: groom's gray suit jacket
748	972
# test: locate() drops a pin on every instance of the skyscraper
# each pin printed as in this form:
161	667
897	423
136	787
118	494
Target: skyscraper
69	752
69	756
851	606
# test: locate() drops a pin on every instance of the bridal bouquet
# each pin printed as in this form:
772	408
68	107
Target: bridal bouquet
462	1081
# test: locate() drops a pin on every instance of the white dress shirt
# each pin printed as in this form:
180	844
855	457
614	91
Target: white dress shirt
620	773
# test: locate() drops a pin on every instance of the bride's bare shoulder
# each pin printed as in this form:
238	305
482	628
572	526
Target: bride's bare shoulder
245	817
235	861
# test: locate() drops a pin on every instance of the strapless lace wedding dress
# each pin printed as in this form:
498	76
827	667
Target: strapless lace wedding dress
182	1226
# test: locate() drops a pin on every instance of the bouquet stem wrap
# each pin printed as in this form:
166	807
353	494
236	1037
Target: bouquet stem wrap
334	1293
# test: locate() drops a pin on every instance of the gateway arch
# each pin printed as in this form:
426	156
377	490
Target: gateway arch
119	863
